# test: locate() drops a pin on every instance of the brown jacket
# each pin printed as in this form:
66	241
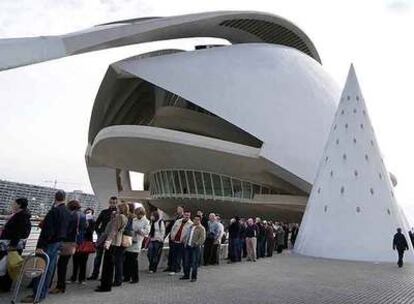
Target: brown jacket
199	236
115	229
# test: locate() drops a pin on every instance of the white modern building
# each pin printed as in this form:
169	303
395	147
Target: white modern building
237	128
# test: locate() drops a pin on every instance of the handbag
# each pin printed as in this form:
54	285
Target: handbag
127	235
126	241
68	248
86	247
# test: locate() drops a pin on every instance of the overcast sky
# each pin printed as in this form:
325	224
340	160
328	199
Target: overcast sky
45	108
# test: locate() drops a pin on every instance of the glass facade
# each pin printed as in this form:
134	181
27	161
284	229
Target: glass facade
203	185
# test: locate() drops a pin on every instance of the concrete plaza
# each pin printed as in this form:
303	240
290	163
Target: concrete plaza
282	279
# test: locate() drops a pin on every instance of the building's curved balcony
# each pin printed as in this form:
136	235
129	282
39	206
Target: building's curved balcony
203	185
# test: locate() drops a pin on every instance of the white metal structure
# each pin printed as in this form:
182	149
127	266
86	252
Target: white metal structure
352	212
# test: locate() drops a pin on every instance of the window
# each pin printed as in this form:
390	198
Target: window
191	184
199	183
177	182
256	190
184	183
164	179
170	181
217	185
237	189
265	190
227	191
207	183
247	190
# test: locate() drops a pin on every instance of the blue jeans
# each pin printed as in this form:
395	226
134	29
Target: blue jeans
191	261
52	250
154	254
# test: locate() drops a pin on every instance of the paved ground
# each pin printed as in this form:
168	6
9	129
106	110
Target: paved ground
281	279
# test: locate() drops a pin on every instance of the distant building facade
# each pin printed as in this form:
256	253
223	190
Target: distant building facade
40	198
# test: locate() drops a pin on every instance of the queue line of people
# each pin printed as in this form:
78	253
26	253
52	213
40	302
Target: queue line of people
122	231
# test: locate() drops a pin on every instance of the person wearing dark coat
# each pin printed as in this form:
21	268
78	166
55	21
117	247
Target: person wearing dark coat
15	232
400	243
54	231
80	259
234	240
270	239
18	227
243	237
75	234
411	235
294	234
261	238
279	238
100	225
286	239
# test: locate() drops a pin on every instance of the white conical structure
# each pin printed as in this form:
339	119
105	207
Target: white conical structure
352	213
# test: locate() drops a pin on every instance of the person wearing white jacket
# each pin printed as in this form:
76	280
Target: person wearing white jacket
140	229
178	232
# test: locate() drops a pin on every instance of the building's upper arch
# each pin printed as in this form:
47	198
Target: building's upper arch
234	26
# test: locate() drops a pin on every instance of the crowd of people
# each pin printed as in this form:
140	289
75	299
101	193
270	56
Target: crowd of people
123	230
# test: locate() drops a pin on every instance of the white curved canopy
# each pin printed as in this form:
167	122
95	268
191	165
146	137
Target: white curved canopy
235	26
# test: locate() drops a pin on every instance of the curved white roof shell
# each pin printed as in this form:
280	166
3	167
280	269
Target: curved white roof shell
235	26
275	93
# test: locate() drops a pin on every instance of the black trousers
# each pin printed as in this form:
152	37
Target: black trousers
177	252
211	252
62	267
400	257
79	266
113	263
270	246
131	268
97	262
244	249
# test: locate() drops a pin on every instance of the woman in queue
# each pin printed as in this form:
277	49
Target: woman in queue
114	251
14	235
74	237
80	258
156	242
141	229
